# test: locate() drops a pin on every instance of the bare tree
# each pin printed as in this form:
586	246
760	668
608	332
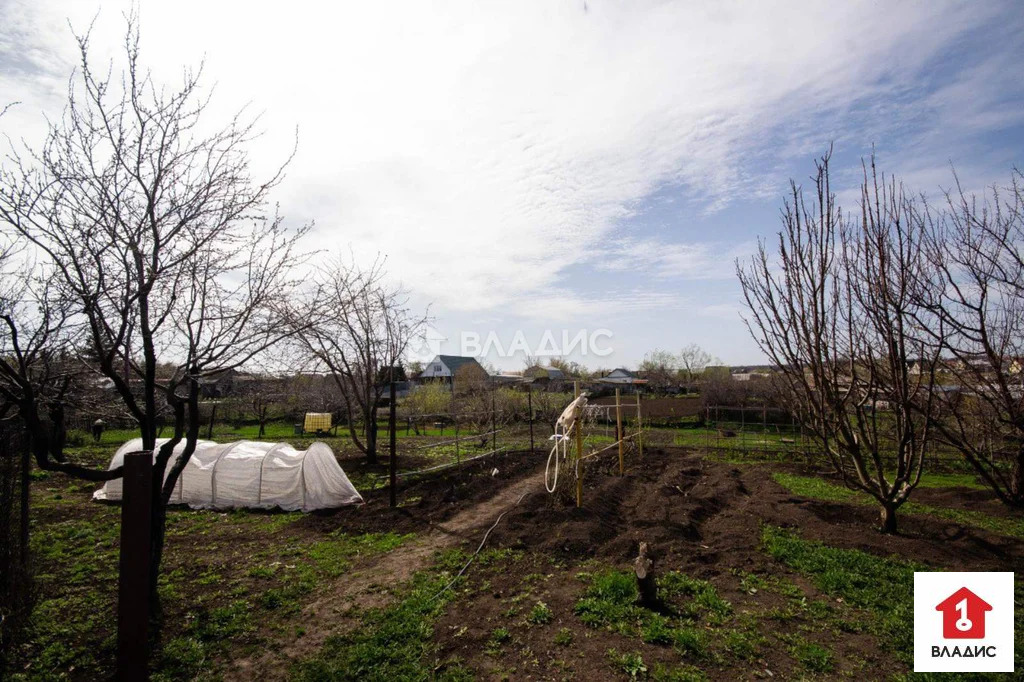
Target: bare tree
39	374
692	361
363	327
659	367
977	248
159	243
838	313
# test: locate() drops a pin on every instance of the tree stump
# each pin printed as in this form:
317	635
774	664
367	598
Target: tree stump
646	581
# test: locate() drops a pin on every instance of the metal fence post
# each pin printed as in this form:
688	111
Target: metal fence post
134	567
618	432
529	409
579	450
393	462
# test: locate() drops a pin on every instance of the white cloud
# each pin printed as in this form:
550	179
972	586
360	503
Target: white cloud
486	148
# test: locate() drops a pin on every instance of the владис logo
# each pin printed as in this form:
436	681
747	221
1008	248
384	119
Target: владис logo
971	629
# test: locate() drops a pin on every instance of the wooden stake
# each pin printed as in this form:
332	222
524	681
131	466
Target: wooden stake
639	428
618	432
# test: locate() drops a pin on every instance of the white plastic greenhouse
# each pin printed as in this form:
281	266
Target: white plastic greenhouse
251	474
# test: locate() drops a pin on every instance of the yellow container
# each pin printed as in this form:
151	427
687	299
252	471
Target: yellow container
317	421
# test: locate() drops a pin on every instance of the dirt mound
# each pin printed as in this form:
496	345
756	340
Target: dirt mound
430	499
697	513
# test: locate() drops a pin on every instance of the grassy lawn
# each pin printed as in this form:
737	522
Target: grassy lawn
809	486
881	587
229	579
394	643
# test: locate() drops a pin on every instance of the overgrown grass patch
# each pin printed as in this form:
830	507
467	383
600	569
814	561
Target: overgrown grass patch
393	643
883	587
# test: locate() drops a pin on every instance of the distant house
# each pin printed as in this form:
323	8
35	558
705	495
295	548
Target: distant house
538	373
621	378
217	384
445	367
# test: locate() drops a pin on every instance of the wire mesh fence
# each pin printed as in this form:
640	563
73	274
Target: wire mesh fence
773	434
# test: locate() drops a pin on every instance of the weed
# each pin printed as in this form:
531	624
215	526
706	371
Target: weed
498	637
663	673
631	663
540	614
812	656
563	637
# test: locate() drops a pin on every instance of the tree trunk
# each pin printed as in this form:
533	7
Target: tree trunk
1017	479
888	518
26	465
646	582
370	424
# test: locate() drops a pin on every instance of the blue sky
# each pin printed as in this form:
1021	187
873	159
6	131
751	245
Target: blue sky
533	166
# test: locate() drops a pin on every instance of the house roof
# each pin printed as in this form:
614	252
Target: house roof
455	362
541	372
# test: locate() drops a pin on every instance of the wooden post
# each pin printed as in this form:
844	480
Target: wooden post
579	449
529	408
639	428
618	432
393	462
134	568
494	424
456	439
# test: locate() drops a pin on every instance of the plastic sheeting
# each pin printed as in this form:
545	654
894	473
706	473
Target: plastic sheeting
251	474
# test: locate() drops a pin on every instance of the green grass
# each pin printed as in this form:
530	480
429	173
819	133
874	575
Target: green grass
609	602
392	643
882	587
809	486
209	606
631	663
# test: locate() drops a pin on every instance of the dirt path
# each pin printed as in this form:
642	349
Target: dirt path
335	611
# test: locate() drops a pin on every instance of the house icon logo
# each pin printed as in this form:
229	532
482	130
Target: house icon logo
963	621
963	615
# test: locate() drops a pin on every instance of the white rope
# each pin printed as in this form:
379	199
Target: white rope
570	418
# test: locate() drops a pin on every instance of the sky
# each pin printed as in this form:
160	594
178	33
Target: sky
538	173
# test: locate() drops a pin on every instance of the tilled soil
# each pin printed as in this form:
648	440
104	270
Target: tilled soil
702	518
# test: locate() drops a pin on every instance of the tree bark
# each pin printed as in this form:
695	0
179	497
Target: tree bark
646	582
888	519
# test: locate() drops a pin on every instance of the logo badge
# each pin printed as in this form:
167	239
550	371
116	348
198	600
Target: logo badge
963	622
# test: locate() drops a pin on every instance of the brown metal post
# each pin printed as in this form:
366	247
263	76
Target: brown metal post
393	460
134	568
618	432
579	450
529	407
